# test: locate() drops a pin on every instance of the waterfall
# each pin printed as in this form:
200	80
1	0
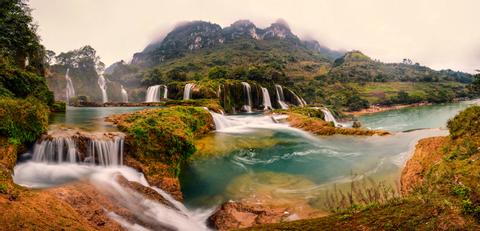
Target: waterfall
153	94
70	91
280	97
165	91
300	101
124	94
62	149
187	92
328	116
267	103
102	83
247	90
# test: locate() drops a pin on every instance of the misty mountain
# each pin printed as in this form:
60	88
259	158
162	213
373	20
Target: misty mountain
192	36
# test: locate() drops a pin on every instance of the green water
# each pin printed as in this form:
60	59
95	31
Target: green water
288	167
434	116
89	118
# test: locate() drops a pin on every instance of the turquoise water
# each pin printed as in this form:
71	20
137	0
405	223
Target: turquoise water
271	164
434	116
89	118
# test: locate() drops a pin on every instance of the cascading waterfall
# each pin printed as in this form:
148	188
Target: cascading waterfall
124	94
102	83
59	149
328	116
104	152
187	92
267	103
300	101
153	94
247	90
280	97
70	91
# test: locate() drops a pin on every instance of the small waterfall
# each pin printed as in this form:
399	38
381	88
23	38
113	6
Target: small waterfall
220	121
187	92
247	90
102	83
280	96
300	101
153	94
165	91
329	117
61	149
70	91
124	94
267	103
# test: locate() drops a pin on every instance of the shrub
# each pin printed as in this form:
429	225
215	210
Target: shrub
466	123
22	120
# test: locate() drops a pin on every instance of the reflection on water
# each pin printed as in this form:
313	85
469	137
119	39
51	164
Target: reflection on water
89	118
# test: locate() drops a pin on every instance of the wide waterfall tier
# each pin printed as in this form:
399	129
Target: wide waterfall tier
248	99
155	93
267	103
102	83
69	91
187	92
280	96
72	146
124	94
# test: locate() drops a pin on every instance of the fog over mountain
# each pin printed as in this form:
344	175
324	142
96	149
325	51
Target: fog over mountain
440	35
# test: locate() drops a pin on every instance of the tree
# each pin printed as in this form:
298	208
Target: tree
474	87
18	38
217	72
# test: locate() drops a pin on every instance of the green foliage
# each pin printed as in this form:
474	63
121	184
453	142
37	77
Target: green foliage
22	84
461	191
22	121
217	72
466	123
18	38
166	134
58	106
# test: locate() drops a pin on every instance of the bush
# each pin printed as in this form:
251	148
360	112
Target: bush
23	121
466	123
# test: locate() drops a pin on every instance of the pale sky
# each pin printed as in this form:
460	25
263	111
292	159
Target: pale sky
438	33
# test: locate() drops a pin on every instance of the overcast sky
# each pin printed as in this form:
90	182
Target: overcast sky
438	33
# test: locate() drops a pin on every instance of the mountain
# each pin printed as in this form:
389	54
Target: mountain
204	52
192	36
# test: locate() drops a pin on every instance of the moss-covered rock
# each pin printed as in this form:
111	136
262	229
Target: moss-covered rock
160	140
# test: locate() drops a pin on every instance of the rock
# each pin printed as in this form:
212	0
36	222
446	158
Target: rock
234	215
145	191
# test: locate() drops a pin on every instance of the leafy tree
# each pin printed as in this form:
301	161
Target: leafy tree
217	72
18	38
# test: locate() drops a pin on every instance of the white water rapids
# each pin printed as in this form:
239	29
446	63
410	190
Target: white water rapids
40	175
